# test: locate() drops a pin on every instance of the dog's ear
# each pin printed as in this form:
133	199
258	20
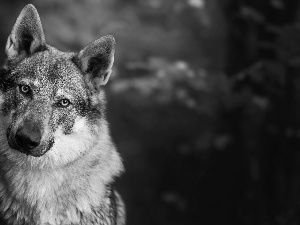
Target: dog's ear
27	36
96	60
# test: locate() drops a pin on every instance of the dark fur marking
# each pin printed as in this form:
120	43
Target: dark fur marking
68	130
6	81
8	132
25	43
41	48
81	108
53	76
50	145
3	73
98	63
94	163
95	113
6	108
10	41
6	84
86	109
76	62
67	125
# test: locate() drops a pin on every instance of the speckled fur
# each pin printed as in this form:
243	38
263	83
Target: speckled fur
70	181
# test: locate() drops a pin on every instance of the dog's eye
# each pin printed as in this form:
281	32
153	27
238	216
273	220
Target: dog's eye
25	89
64	102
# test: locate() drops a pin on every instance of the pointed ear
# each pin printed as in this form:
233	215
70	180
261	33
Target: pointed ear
27	36
96	60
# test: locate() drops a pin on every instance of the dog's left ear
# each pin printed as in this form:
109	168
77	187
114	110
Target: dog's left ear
96	60
27	36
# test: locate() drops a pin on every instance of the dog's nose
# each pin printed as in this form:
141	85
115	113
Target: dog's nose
28	137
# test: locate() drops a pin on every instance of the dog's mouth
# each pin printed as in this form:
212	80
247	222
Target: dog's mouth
28	146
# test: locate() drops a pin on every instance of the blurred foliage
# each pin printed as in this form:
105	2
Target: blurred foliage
203	103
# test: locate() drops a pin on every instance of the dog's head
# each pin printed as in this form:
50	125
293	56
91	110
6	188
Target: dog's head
51	102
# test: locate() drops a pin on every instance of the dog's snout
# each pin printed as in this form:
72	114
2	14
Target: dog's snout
28	136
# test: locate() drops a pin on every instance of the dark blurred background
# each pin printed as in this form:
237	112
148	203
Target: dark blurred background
204	103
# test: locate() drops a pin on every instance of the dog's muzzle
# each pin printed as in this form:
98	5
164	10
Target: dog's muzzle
26	139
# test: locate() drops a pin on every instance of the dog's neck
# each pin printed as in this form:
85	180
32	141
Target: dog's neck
40	196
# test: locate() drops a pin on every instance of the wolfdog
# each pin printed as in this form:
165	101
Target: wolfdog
58	163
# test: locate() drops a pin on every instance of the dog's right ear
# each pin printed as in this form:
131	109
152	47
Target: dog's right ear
27	36
96	61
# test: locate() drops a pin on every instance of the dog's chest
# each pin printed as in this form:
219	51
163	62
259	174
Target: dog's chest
37	200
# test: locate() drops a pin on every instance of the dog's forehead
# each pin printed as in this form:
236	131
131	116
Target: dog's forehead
49	65
50	68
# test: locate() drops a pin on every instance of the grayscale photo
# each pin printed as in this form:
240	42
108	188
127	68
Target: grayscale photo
150	112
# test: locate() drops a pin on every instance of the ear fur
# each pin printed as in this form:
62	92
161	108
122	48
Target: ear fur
27	36
96	60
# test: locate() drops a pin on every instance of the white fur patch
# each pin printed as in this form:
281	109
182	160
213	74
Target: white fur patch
67	148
